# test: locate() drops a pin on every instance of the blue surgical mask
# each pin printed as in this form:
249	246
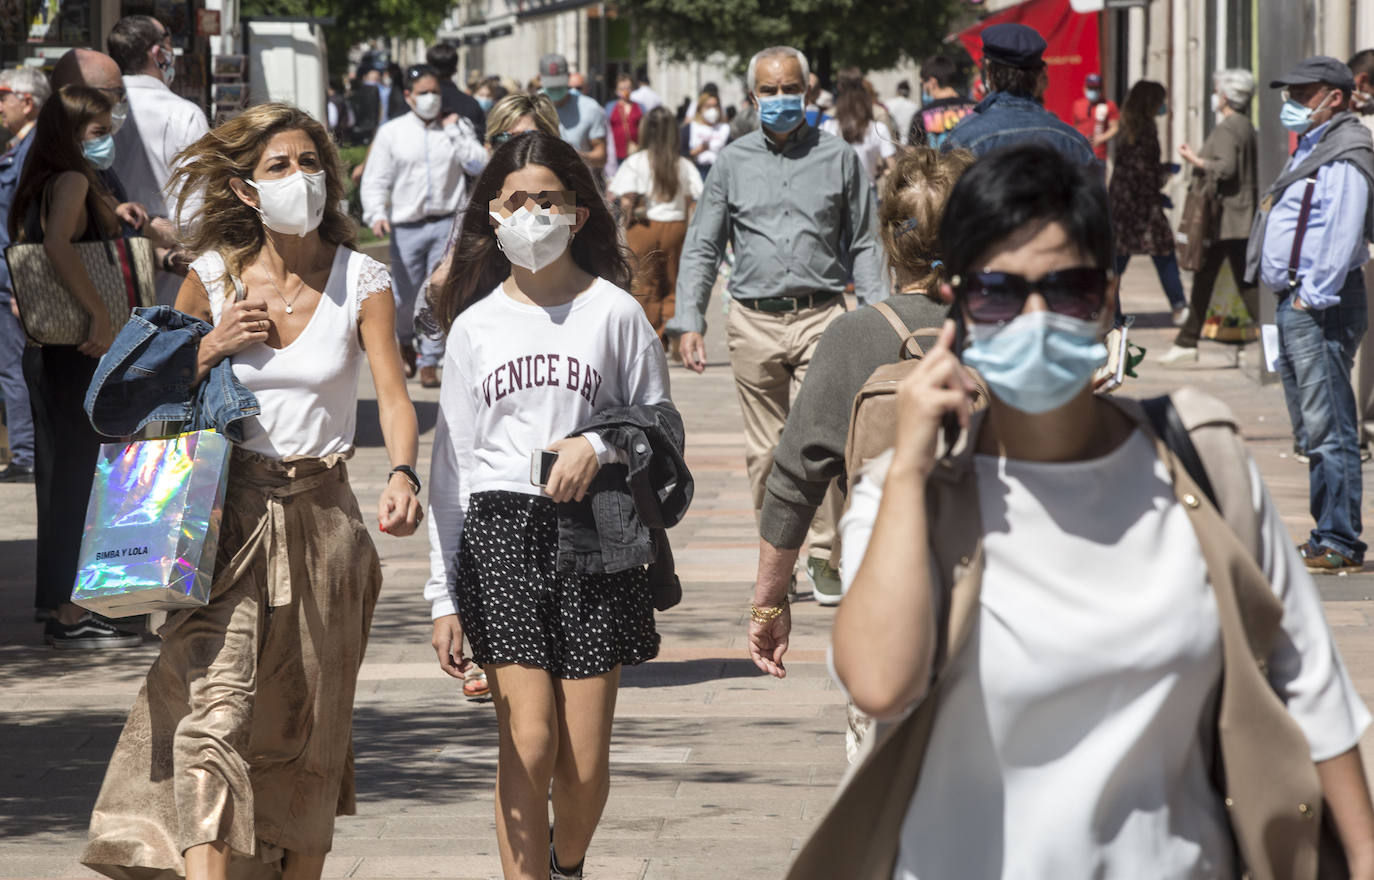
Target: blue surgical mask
1295	117
1039	361
1093	96
1163	110
485	104
100	152
556	93
781	113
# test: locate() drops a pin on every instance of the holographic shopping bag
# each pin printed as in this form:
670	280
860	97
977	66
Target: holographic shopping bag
152	525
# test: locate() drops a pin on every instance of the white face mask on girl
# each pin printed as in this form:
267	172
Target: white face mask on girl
533	239
293	205
711	115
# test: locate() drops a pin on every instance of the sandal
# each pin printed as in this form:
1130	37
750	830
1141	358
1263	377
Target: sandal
475	688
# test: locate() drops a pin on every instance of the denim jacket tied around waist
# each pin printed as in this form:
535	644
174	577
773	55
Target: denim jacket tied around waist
149	375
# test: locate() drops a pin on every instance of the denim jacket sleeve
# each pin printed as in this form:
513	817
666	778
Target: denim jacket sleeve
149	375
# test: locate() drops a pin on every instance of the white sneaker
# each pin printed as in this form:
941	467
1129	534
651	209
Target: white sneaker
1178	355
1181	316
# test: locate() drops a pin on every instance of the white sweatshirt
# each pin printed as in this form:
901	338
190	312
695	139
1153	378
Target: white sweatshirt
518	377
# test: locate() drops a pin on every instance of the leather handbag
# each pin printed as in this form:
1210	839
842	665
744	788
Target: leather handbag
1199	224
51	315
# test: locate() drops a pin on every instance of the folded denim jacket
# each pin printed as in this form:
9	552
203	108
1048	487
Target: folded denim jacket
149	375
622	521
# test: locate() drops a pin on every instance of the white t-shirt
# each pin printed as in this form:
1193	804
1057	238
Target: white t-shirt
876	144
714	136
1066	742
637	176
518	377
307	391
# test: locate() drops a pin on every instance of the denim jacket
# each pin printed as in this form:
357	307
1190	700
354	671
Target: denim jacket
149	375
622	521
1003	119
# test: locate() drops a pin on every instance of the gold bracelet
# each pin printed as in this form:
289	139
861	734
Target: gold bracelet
767	614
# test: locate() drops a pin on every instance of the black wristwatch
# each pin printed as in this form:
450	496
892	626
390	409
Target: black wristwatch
410	474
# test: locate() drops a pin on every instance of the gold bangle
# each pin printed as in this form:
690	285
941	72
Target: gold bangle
767	614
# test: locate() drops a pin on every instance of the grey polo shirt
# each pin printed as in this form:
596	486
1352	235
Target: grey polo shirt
786	211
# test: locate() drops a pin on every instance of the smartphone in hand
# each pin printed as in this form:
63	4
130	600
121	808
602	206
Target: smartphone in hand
541	465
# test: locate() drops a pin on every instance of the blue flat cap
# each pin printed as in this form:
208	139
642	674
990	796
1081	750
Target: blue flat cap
1014	45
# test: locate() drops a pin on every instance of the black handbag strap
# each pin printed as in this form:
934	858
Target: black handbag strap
1304	214
1165	420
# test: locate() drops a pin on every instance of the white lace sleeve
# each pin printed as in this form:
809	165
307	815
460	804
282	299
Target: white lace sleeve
373	277
209	267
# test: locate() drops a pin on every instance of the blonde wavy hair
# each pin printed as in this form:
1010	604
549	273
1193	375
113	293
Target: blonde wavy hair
913	203
224	223
506	112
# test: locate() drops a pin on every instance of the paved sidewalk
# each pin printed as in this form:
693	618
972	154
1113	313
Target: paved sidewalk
718	771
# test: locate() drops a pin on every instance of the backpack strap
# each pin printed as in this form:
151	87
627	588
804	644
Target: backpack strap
910	347
1165	420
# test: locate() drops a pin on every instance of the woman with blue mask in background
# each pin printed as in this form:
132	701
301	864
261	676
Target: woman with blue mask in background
61	200
1073	620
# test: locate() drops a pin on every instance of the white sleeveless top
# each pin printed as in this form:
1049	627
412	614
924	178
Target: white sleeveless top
308	390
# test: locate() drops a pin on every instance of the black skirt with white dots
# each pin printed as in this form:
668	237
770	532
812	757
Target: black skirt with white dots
516	608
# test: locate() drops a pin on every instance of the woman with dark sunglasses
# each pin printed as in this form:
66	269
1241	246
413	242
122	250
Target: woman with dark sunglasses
1081	626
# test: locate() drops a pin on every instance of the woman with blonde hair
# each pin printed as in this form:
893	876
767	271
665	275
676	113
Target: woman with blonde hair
238	750
658	190
518	113
707	133
1137	203
61	200
811	452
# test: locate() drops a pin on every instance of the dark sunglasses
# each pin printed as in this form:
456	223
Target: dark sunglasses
998	297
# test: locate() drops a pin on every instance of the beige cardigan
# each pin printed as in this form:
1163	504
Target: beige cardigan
1262	762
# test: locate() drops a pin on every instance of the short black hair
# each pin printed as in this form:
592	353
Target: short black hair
1012	80
1362	62
443	58
131	38
1009	188
419	71
942	68
903	88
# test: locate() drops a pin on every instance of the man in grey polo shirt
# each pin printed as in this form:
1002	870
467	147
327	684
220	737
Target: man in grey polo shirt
788	198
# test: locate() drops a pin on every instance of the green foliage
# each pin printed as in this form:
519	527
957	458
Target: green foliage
870	34
356	21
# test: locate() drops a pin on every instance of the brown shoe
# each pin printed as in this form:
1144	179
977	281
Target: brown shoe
1324	560
408	360
429	377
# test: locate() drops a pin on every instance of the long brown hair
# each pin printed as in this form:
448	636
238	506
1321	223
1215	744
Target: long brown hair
853	106
224	223
661	138
57	148
912	206
479	264
1141	107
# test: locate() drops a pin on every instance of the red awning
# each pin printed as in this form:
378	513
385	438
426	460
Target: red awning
1072	52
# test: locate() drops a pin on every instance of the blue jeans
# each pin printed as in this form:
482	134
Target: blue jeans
1316	352
18	415
416	249
1167	269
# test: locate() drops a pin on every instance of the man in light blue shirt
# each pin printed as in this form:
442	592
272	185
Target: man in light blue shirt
581	121
1308	244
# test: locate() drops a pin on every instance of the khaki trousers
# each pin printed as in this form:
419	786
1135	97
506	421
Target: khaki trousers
770	353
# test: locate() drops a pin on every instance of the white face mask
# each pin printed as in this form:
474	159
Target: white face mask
118	114
1217	103
533	239
711	115
427	105
293	205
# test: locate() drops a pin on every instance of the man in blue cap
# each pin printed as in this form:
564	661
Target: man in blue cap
1012	68
1308	244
